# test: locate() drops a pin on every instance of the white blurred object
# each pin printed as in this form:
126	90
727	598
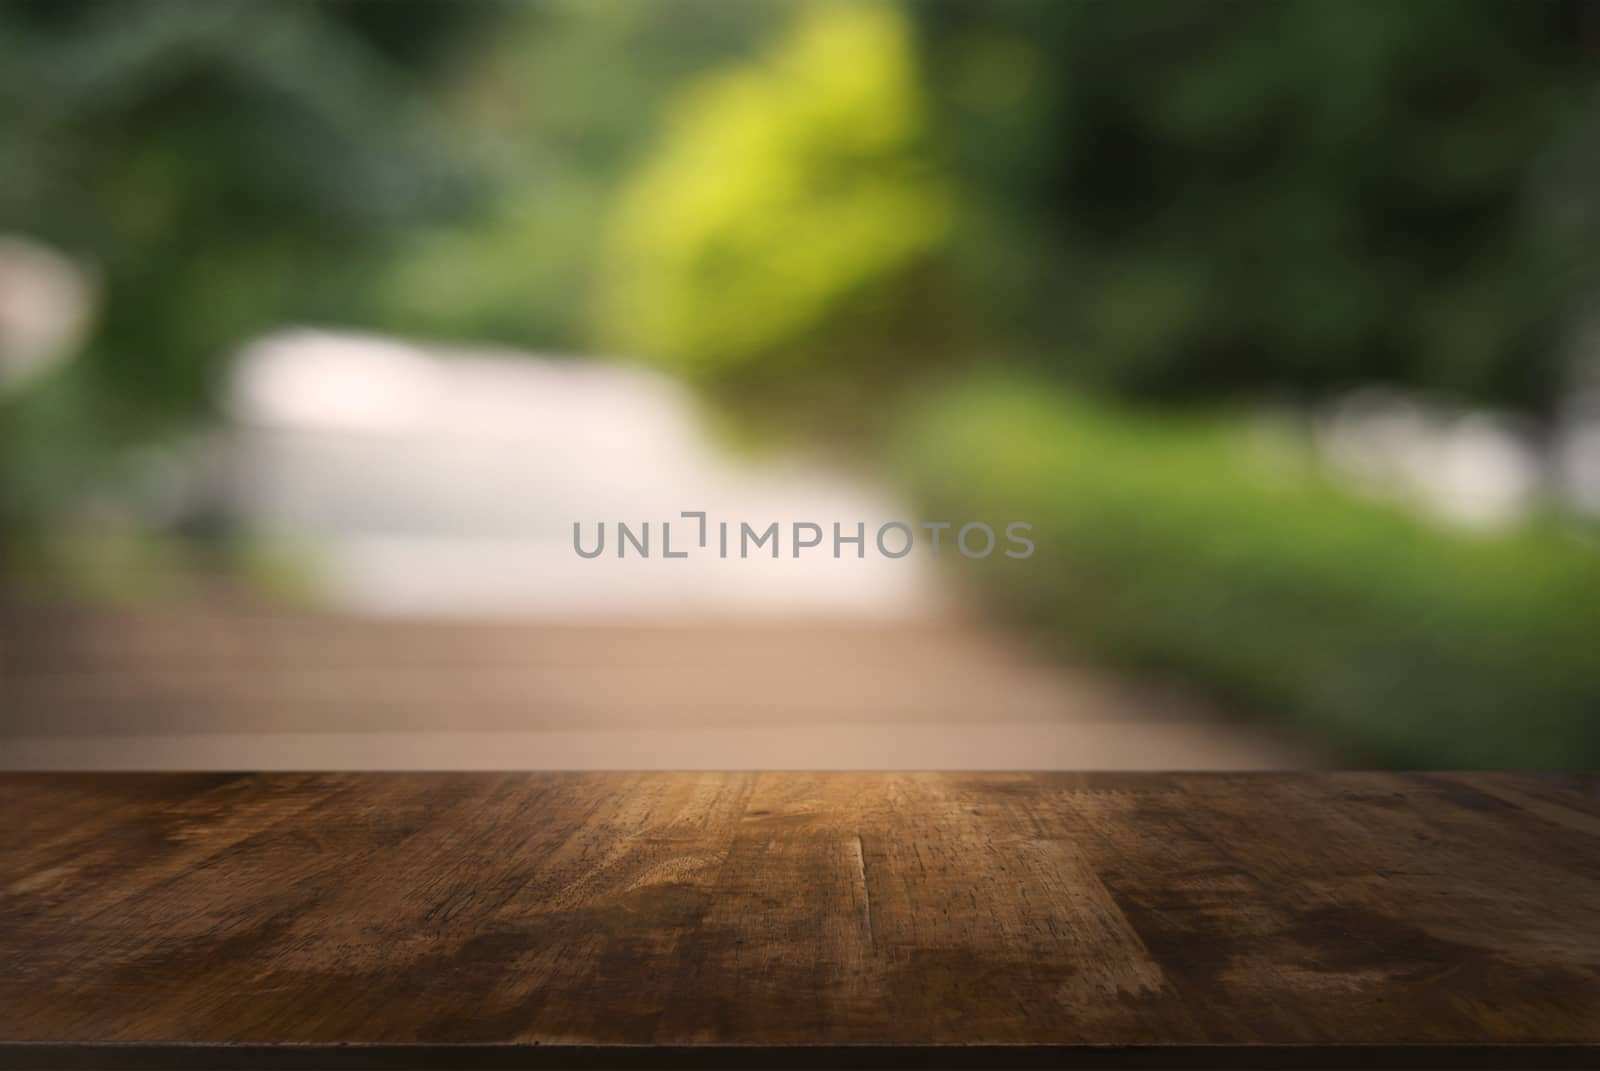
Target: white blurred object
438	482
1473	468
45	306
317	380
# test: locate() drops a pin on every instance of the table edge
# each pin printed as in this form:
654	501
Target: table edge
73	1056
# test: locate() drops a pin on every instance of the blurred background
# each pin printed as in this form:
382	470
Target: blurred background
321	323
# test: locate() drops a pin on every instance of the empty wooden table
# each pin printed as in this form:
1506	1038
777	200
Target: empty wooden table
783	919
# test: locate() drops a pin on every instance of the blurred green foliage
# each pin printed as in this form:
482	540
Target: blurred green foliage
1185	545
222	168
225	167
1164	199
1187	202
562	104
789	193
1180	199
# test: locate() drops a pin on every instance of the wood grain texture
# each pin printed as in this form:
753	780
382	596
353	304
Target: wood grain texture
671	910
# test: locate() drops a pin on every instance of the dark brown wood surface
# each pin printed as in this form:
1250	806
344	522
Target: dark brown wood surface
783	909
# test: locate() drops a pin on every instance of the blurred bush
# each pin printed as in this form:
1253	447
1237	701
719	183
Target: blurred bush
1164	200
562	105
770	238
1185	545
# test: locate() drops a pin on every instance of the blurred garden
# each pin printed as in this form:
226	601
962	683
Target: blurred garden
1278	319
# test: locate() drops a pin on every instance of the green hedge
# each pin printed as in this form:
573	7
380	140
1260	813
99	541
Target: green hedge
1179	545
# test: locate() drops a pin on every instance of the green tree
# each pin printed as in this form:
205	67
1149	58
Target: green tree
767	239
563	103
1174	198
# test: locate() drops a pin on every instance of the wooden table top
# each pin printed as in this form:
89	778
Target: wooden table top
527	919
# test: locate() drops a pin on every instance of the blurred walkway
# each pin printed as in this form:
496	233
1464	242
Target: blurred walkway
225	688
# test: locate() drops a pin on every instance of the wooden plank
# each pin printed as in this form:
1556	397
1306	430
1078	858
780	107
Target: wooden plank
577	912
